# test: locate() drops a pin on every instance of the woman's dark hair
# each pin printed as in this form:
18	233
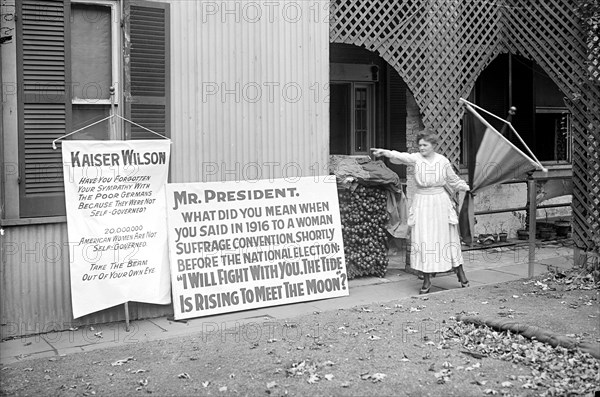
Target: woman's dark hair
429	136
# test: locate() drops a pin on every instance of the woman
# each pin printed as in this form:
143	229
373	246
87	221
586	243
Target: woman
435	245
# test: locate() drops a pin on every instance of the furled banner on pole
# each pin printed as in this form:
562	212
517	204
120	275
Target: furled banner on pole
492	159
116	217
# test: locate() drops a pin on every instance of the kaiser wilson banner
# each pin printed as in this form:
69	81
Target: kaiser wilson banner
116	212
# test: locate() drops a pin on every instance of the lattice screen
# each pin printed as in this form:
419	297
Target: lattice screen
587	145
551	33
439	48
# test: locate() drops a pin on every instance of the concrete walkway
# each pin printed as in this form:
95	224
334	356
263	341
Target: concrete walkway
483	267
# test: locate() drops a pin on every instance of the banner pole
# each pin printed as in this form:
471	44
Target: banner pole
112	132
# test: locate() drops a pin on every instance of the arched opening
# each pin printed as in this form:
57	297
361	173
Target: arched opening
368	103
541	119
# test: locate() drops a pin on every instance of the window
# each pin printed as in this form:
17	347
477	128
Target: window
95	44
542	119
352	112
69	53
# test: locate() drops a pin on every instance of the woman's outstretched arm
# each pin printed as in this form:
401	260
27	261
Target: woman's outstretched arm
394	156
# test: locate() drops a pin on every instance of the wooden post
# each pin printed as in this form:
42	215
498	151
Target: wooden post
126	316
531	198
579	257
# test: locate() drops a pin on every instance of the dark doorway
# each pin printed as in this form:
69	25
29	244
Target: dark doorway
339	113
367	103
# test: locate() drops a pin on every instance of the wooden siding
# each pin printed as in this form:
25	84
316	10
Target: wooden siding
250	85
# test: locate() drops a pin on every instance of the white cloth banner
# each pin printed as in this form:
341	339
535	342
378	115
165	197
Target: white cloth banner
116	222
243	245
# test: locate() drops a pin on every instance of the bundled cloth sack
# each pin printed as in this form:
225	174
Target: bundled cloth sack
352	171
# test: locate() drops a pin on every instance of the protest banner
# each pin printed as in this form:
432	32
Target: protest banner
243	245
116	222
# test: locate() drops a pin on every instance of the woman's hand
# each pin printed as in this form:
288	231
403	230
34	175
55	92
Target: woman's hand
379	152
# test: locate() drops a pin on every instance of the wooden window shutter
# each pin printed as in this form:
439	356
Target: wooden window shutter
44	104
147	77
396	112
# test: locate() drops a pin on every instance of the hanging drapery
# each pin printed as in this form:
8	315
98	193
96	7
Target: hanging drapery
492	159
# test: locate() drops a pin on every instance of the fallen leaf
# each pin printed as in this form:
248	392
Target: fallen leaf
184	375
123	361
329	376
378	377
442	373
506	384
205	383
313	378
139	371
271	385
473	354
443	376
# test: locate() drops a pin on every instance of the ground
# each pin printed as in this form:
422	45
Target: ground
409	347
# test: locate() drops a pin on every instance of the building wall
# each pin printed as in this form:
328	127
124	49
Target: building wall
512	195
248	101
249	90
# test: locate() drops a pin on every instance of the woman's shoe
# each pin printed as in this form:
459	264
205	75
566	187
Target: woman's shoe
462	278
426	281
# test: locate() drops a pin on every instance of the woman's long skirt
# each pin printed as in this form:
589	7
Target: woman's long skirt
435	243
